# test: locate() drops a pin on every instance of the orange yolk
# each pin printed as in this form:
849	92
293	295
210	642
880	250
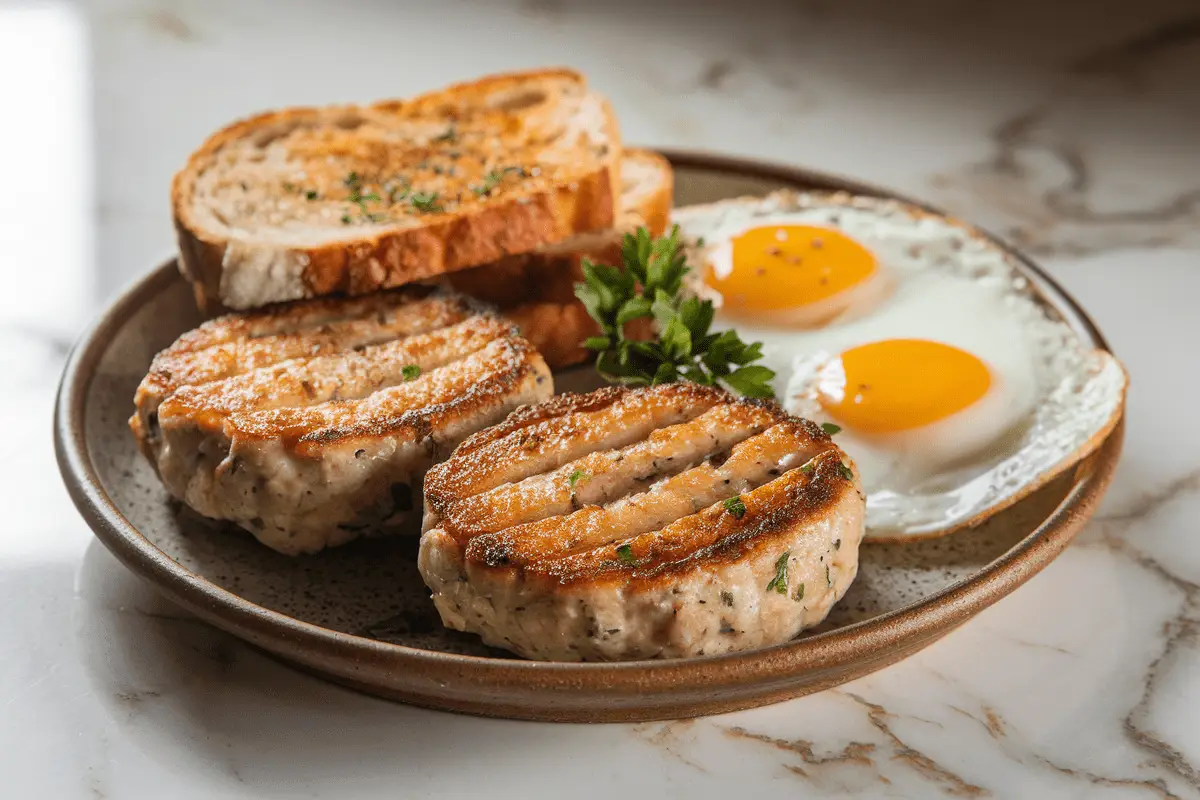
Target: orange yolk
786	266
900	384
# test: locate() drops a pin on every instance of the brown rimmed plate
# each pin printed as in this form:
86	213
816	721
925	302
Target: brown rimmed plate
360	615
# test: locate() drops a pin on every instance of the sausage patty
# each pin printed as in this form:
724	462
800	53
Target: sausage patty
663	522
313	423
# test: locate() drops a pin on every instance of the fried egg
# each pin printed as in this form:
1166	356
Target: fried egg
794	276
914	337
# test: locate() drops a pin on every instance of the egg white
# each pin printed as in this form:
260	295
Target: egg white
1051	395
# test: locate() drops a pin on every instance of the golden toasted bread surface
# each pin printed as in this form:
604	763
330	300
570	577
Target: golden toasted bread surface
349	199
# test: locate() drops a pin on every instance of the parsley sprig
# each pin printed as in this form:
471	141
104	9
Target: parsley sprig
779	582
425	201
649	285
492	180
354	183
397	190
734	505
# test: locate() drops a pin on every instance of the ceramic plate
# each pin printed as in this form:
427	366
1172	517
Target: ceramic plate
361	616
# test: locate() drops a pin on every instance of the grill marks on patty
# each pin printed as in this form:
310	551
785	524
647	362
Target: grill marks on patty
347	375
235	344
567	427
710	534
316	372
607	475
630	484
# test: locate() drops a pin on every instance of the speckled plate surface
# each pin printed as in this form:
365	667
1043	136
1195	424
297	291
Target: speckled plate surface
361	616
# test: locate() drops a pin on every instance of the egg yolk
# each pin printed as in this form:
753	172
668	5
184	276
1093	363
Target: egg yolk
900	384
784	266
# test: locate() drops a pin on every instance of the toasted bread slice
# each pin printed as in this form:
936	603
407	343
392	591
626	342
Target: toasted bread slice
537	290
307	202
670	521
312	424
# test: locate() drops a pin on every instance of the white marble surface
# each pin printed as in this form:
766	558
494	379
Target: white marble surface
1073	128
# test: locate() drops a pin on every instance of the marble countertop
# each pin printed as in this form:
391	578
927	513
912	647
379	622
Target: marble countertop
1071	128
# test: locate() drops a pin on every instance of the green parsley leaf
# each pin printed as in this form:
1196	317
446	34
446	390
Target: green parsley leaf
449	136
697	375
697	316
311	194
425	201
722	349
625	553
666	264
597	342
748	353
649	283
830	428
735	506
845	471
779	582
593	297
807	469
612	285
799	595
635	252
345	219
666	373
493	179
397	190
634	308
352	180
410	372
361	200
663	308
752	381
676	341
577	476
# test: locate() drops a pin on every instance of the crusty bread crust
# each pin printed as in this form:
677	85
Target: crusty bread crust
537	213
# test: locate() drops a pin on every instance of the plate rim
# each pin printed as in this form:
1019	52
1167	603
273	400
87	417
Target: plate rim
638	690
